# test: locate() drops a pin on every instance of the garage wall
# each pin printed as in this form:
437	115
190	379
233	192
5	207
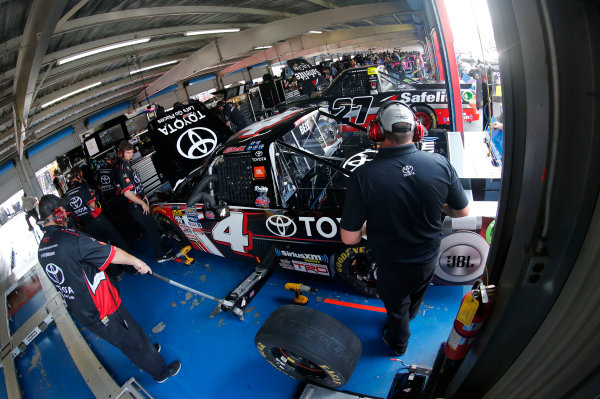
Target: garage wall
200	87
46	151
234	78
9	181
259	71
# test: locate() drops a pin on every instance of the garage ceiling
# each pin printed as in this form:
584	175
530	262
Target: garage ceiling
40	37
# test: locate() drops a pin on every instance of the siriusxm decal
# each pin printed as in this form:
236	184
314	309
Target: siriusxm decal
312	257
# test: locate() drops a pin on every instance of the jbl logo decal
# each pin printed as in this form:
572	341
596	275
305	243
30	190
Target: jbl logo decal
458	261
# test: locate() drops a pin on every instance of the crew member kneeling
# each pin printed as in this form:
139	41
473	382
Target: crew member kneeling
400	195
75	263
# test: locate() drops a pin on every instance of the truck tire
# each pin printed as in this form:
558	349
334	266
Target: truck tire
309	345
356	267
426	116
172	231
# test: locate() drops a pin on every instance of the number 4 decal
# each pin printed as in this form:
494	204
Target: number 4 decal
231	230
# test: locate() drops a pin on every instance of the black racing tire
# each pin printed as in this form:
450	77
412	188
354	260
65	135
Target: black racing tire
172	231
309	345
356	267
426	116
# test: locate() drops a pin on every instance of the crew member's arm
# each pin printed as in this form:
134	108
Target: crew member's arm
354	216
135	199
353	237
123	258
456	213
457	203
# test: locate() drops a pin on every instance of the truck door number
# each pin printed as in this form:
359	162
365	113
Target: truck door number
348	108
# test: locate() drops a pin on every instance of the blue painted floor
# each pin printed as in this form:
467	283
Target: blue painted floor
217	350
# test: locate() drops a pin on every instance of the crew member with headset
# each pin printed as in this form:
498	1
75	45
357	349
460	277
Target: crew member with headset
75	263
139	206
234	118
400	195
86	208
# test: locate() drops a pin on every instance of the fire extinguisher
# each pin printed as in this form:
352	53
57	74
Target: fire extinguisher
472	313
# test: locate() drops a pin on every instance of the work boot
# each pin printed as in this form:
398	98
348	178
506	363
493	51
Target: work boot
172	369
397	350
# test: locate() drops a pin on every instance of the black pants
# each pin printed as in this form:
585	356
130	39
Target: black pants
401	287
151	231
102	229
132	341
121	218
29	214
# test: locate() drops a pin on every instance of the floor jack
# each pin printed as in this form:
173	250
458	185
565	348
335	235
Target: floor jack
241	295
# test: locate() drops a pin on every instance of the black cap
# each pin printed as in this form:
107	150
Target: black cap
48	204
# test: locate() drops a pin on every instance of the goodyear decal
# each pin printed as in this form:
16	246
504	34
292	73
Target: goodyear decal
339	262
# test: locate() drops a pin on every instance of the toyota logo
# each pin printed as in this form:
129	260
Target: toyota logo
55	273
258	154
196	143
280	225
76	202
104	179
408	170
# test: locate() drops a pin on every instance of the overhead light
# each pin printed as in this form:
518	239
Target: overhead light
314	31
227	86
153	66
262	47
71	94
211	31
101	50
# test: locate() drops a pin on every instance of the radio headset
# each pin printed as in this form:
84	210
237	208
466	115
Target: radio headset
376	131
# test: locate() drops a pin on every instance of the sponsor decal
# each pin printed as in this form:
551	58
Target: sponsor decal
179	120
310	268
371	71
104	180
424	97
258	154
260	172
127	180
196	143
262	202
460	260
305	256
261	159
408	170
76	202
209	215
281	225
359	159
234	149
178	212
286	264
339	262
254	145
305	127
55	273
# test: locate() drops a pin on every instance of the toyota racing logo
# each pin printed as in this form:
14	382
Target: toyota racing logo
104	179
196	143
76	202
408	170
258	154
55	273
281	225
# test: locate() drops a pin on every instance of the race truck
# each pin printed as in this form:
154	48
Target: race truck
355	95
273	194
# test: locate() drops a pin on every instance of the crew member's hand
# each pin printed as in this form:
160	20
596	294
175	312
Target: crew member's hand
142	267
146	200
446	209
497	125
145	208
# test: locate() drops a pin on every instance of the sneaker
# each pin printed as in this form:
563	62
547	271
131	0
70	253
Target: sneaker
397	350
172	369
157	347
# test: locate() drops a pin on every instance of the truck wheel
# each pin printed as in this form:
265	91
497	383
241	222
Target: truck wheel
173	232
426	116
356	267
309	345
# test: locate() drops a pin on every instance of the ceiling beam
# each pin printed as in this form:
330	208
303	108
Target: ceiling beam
240	43
70	13
300	43
126	15
41	22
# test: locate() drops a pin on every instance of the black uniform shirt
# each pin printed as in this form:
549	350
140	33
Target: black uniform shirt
107	178
75	263
80	198
129	180
400	195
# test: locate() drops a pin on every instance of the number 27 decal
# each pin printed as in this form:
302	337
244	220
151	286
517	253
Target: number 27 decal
349	108
232	230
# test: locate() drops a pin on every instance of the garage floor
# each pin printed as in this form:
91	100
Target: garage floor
217	350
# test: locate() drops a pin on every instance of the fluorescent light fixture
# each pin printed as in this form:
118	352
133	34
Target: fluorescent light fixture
153	66
327	59
71	94
314	31
227	86
101	50
211	31
262	47
242	82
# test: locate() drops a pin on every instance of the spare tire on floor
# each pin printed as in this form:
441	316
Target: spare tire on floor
309	345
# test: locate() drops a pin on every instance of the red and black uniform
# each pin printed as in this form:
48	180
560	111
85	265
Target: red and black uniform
75	263
97	225
107	179
130	181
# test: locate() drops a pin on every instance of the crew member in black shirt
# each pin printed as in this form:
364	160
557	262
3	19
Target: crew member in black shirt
84	204
232	115
139	206
400	196
75	263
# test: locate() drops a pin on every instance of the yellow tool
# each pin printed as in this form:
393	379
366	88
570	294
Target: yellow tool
298	288
183	253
